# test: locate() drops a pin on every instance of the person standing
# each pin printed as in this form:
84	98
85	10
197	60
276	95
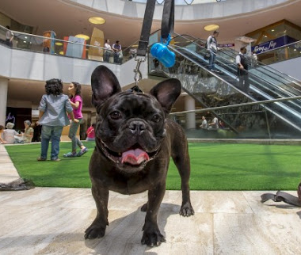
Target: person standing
117	52
53	110
76	101
9	37
242	70
107	51
212	48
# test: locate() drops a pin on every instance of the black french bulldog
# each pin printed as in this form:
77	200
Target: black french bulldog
134	143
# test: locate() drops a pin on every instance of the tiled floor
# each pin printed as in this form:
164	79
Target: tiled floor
53	221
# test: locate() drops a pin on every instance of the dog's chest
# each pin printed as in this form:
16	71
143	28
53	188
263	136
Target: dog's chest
132	184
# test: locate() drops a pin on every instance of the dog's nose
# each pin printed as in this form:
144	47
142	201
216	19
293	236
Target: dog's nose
137	127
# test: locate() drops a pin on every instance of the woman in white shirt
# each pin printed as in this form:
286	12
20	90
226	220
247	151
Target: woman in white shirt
9	133
108	51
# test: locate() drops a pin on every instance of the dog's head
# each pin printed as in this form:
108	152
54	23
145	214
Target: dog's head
130	125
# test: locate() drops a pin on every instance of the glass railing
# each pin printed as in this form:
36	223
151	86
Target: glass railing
75	48
286	52
239	122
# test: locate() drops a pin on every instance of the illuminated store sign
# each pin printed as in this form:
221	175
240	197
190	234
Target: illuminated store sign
273	44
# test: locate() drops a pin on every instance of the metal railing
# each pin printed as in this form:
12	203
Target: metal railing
266	126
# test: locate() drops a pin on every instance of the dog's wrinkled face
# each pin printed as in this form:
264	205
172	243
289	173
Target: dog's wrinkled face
130	129
130	125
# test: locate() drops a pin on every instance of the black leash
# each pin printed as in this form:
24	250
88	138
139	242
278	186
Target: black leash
144	38
167	26
168	19
146	28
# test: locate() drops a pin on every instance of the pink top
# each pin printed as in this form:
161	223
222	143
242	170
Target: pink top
91	132
77	112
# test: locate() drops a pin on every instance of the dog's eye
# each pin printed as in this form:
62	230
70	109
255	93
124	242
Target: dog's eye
156	118
115	115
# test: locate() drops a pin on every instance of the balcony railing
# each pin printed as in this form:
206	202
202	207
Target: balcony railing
65	48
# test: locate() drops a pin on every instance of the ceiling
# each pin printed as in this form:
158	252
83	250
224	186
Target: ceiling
66	19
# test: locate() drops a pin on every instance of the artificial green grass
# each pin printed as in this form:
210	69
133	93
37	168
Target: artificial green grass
213	167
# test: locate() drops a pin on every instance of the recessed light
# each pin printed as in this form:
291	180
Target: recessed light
272	30
211	27
97	20
86	37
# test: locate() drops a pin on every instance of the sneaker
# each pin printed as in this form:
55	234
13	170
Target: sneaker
70	155
56	159
41	159
82	152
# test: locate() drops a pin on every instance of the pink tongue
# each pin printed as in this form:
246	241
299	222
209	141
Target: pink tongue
134	157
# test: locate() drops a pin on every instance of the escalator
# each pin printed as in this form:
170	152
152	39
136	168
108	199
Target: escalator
220	88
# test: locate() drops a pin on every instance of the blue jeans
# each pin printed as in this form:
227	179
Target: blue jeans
53	134
72	135
107	55
212	60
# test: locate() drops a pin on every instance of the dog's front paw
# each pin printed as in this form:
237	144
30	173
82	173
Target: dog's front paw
94	231
186	209
154	238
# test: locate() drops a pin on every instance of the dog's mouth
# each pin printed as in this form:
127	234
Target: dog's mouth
133	156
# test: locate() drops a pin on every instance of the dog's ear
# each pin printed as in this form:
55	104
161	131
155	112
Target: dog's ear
167	93
104	84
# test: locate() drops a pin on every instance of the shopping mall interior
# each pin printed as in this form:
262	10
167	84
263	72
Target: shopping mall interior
227	175
65	38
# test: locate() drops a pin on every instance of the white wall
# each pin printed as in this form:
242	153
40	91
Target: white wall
26	65
291	67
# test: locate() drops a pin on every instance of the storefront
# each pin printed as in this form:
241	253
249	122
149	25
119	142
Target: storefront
275	42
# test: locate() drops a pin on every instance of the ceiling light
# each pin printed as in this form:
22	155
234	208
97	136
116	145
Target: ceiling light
211	27
58	43
97	20
272	30
86	37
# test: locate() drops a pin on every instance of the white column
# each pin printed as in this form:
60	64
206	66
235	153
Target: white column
190	117
3	100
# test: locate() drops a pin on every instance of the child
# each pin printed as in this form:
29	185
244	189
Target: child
53	117
76	101
91	133
1	131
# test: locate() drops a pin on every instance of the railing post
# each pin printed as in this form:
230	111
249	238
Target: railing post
268	124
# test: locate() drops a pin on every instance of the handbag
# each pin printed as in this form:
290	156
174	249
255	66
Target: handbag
207	55
284	197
